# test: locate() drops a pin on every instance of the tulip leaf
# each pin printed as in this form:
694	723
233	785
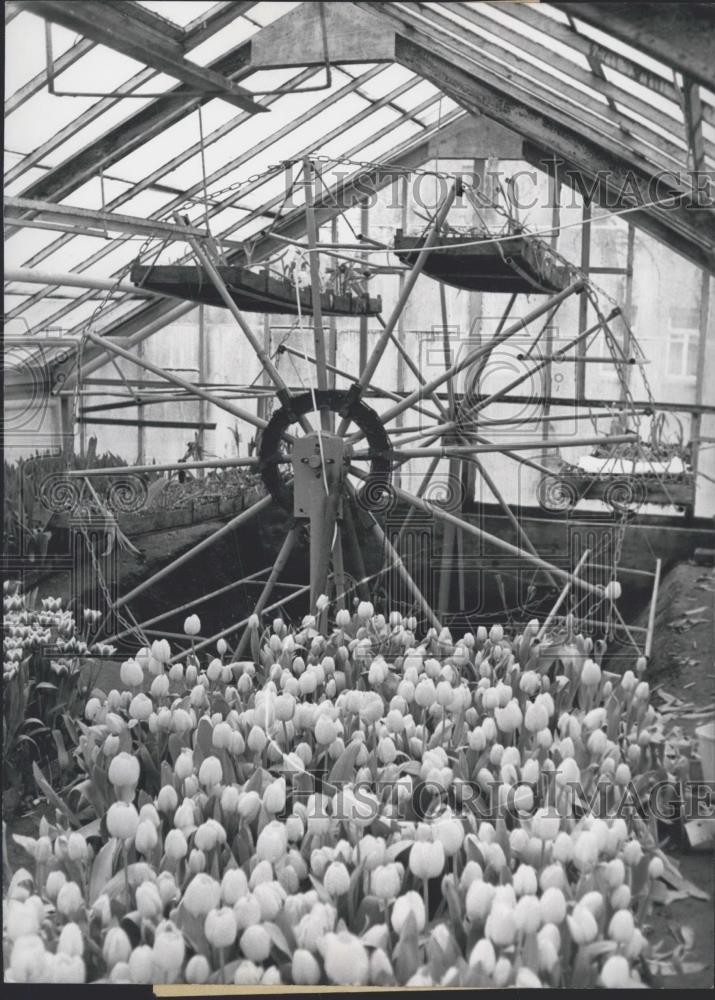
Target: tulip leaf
52	796
204	736
406	953
278	938
193	930
102	869
26	843
344	767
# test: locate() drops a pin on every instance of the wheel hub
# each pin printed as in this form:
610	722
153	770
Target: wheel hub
320	457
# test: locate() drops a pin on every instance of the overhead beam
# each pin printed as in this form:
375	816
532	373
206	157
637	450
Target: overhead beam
616	183
221	14
194	34
90	219
594	78
693	116
110	25
129	135
680	35
31	277
568	36
340	198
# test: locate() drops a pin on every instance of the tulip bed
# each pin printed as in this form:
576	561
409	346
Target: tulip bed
360	807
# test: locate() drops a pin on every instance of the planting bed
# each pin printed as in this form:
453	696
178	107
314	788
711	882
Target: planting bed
362	806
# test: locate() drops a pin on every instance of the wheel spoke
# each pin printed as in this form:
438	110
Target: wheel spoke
494	540
404	295
243	518
478	352
223	404
278	567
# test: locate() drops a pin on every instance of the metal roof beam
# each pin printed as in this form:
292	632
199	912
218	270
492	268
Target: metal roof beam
109	25
690	232
221	14
93	223
128	136
680	35
586	46
595	79
59	65
537	89
196	32
349	193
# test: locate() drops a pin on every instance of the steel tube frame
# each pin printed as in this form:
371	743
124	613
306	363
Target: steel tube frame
651	613
234	628
209	463
261	353
562	596
379	391
477	353
252	578
222	404
226	529
410	280
311	231
498	543
476	449
281	560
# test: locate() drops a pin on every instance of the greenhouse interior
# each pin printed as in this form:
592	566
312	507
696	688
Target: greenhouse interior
359	495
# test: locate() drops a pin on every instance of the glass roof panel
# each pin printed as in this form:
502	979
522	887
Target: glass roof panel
636	55
25	55
181	12
509	17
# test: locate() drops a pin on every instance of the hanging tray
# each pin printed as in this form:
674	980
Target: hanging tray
252	291
516	264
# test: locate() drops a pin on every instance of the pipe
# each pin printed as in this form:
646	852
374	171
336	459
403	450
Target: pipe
32	277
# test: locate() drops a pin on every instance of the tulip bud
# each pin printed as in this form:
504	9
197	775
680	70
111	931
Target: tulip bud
122	820
198	969
192	625
117	947
220	927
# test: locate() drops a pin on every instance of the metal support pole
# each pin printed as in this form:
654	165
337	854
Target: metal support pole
190	604
222	404
218	282
355	550
477	353
651	614
226	529
369	370
209	463
318	332
280	564
404	574
284	348
476	449
583	305
562	596
513	520
365	231
500	393
339	567
234	628
485	536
